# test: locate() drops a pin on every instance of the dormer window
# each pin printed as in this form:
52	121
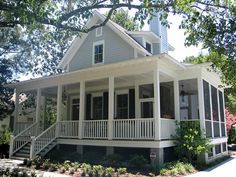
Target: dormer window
149	47
98	52
98	31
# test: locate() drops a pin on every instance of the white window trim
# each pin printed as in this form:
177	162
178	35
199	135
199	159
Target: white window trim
71	103
97	31
98	43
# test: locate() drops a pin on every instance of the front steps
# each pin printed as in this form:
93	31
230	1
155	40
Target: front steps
24	152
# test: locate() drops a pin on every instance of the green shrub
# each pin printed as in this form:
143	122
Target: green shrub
5	136
109	171
138	161
190	141
122	170
177	168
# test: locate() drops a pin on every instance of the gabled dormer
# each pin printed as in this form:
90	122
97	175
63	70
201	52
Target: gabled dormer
108	44
112	43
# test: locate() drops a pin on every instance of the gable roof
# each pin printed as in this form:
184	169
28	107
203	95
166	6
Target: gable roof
114	27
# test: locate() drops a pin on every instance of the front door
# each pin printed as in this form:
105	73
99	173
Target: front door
75	109
147	109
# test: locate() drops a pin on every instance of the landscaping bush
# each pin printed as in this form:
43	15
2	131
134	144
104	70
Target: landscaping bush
138	161
5	137
190	141
177	168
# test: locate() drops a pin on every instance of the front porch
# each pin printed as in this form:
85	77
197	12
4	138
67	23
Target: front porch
138	101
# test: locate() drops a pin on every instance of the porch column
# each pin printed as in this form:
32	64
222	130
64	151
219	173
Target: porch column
111	107
59	102
157	110
38	104
176	95
16	112
81	108
201	103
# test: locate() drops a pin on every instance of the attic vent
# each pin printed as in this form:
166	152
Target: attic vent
98	31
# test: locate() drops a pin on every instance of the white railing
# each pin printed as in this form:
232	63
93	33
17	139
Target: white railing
68	129
95	129
23	138
43	140
168	127
20	126
133	128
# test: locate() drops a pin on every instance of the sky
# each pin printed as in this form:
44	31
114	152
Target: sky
176	39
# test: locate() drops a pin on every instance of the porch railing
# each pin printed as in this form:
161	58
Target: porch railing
133	128
95	129
168	127
23	138
43	140
68	129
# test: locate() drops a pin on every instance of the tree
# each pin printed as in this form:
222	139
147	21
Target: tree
122	18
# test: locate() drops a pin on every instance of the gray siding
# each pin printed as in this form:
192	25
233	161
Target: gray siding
156	48
116	49
139	40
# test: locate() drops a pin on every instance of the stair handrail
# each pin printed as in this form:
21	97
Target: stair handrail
43	140
24	137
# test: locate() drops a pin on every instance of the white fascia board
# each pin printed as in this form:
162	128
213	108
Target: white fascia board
149	34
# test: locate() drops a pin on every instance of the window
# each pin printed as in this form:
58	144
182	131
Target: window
210	153
167	100
207	100
224	146
98	31
218	149
149	47
146	94
97	108
98	52
122	106
75	109
214	104
146	91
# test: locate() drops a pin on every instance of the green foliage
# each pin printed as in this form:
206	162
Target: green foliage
122	18
232	135
177	168
190	142
5	136
122	170
138	161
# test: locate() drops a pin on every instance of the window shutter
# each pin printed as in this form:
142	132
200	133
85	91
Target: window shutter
105	105
88	106
131	103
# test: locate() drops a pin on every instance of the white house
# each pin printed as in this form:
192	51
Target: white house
121	89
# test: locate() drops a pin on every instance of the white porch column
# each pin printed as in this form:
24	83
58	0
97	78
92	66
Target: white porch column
16	111
59	102
157	110
81	108
111	107
201	103
176	95
38	104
